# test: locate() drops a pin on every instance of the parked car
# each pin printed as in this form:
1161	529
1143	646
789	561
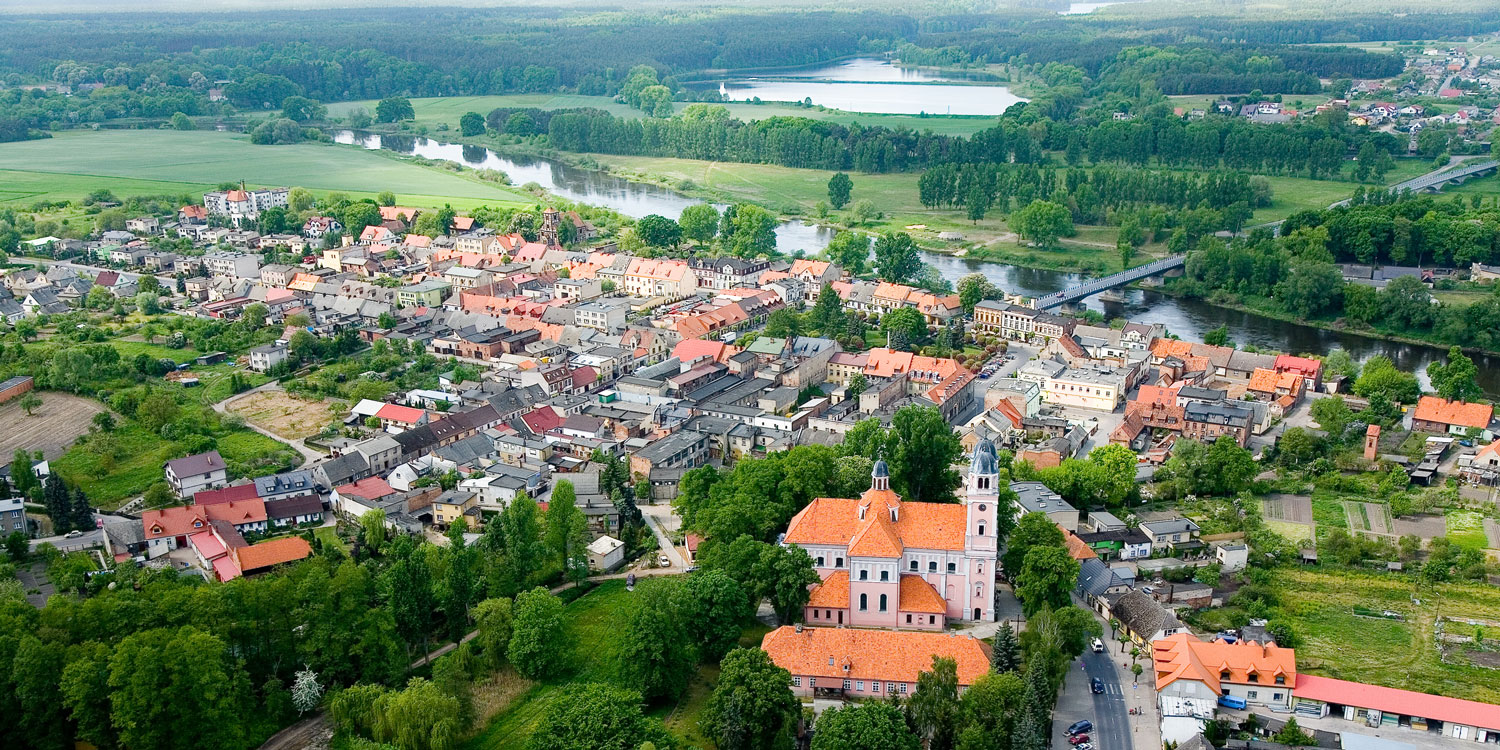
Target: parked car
1080	726
1078	739
1086	746
1098	646
663	561
1096	685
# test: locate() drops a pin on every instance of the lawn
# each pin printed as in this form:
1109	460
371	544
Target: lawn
1466	529
1401	654
446	110
330	535
595	622
71	164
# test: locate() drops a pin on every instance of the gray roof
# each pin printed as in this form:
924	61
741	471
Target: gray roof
1096	579
291	507
201	463
300	480
1170	526
1034	497
1143	615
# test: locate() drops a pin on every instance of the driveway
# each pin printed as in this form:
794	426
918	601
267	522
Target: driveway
658	517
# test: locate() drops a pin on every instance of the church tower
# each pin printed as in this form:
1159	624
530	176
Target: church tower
981	495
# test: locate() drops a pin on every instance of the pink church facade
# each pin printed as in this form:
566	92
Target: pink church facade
895	564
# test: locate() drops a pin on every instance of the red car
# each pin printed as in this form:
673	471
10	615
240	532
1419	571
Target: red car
1078	739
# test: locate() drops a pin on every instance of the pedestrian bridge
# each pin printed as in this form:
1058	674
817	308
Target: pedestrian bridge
1095	286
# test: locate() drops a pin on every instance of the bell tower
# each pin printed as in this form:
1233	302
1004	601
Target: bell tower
981	496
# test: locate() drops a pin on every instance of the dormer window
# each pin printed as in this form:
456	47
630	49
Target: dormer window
1253	677
893	515
1224	674
1281	679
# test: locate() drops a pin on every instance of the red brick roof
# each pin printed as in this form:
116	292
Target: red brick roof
1392	700
275	552
1184	656
369	488
1462	414
402	414
884	655
226	495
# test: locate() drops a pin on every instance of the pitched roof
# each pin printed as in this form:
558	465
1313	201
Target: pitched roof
831	520
833	592
228	494
274	552
189	519
917	595
1142	614
1392	700
369	488
1184	656
852	653
876	538
201	463
1443	411
399	413
1077	548
291	507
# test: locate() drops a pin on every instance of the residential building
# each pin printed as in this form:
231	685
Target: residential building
1172	533
267	356
830	662
169	528
243	205
728	272
1205	422
429	293
295	510
606	553
13	516
318	227
1086	388
1143	619
453	505
653	277
886	562
188	475
233	265
1186	668
1435	414
1034	497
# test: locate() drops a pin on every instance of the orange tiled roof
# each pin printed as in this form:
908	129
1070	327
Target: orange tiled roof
275	552
1304	366
1077	548
1183	656
833	592
1163	348
1463	414
885	655
832	520
813	267
917	595
664	270
189	519
876	538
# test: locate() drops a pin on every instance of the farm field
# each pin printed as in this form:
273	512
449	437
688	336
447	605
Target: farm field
137	162
278	412
1340	621
594	623
51	428
1290	516
447	110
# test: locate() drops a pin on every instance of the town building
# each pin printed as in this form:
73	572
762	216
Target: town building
197	472
831	662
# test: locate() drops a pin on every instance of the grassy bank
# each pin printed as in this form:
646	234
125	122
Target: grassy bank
432	112
153	162
595	624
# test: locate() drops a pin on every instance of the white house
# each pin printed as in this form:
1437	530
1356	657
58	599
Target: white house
263	358
202	471
606	553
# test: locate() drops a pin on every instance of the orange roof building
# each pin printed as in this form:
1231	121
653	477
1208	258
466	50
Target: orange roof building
1259	673
869	663
1436	414
258	557
886	562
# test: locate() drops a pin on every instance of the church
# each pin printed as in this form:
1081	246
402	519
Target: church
895	564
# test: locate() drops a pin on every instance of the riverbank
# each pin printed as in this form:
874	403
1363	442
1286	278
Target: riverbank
1333	326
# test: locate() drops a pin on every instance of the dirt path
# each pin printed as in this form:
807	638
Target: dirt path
308	454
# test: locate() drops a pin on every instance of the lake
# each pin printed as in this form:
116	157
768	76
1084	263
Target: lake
1190	319
871	85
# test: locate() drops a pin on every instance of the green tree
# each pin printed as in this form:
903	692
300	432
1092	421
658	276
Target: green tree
784	323
85	693
752	706
987	710
752	231
1043	222
699	222
658	231
656	652
863	726
394	109
850	250
1033	530
1047	578
827	315
934	706
17	546
716	606
419	717
1379	376
839	187
30	402
1217	337
493	620
538	640
922	450
897	258
977	203
181	121
975	288
412	602
906	321
302	109
784	575
372	523
1455	380
1292	735
36	674
597	716
1006	652
1332	415
171	689
471	124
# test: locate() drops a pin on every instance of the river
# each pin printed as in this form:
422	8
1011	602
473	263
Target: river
870	85
1189	319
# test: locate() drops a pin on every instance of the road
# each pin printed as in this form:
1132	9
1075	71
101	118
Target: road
652	514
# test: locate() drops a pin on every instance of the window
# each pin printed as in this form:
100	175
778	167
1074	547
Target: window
908	619
931	620
1281	679
981	529
820	561
859	685
1255	678
1224	674
952	567
932	566
812	682
882	602
846	684
1252	694
864	602
1276	696
913	566
796	682
890	687
979	590
885	575
815	614
864	575
875	687
903	688
838	562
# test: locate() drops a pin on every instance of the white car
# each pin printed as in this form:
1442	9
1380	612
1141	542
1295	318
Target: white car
1098	646
663	561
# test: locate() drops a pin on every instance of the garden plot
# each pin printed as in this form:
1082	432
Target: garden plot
1370	519
1426	527
1290	516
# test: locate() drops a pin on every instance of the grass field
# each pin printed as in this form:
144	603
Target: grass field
280	413
446	110
1339	643
594	622
143	162
1466	529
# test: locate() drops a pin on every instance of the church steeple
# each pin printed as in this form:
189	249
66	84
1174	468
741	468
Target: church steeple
880	476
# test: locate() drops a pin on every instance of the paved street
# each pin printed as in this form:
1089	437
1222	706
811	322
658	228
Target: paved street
659	517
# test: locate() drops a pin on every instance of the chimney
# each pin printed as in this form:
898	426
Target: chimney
799	627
